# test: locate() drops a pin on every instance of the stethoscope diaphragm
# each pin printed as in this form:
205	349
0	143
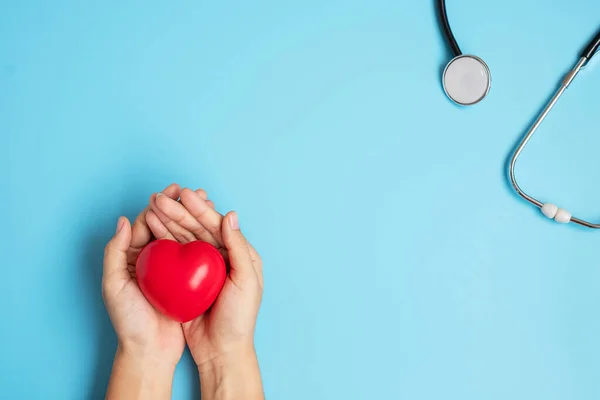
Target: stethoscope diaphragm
467	80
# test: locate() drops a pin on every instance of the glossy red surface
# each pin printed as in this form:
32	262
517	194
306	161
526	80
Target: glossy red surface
180	280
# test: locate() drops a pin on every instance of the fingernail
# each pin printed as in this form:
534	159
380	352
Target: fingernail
233	222
120	224
159	194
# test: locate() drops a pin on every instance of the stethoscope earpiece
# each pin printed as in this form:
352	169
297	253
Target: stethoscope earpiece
467	80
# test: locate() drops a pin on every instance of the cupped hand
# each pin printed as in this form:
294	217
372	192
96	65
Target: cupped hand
143	333
226	331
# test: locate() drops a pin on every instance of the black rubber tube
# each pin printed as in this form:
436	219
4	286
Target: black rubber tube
592	47
446	28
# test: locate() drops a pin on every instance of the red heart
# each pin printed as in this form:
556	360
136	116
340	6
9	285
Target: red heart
180	280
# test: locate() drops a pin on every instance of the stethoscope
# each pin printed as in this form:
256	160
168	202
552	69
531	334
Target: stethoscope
467	80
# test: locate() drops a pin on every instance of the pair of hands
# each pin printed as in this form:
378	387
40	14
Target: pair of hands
150	344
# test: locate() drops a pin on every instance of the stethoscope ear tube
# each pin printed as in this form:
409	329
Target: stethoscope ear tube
548	209
591	48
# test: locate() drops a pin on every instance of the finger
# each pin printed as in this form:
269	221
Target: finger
179	233
239	253
210	219
115	253
140	232
257	263
202	194
159	230
179	215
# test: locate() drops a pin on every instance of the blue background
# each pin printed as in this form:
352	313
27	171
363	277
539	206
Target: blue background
398	261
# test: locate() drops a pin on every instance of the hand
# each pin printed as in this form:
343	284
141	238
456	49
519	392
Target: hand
222	340
149	344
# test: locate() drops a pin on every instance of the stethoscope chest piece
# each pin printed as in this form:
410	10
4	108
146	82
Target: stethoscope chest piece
467	80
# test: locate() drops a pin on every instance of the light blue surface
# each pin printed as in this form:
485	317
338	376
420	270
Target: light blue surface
399	264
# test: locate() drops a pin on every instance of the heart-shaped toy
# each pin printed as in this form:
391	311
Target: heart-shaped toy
180	280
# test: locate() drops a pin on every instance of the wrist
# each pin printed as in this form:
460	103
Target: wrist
231	376
138	375
151	355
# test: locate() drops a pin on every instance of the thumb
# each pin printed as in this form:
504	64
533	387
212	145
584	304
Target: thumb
115	253
237	247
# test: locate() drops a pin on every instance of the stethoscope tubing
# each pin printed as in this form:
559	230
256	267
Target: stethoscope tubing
443	16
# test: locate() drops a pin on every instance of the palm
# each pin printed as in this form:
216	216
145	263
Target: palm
218	325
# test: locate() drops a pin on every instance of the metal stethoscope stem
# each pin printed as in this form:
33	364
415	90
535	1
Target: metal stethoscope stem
554	211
